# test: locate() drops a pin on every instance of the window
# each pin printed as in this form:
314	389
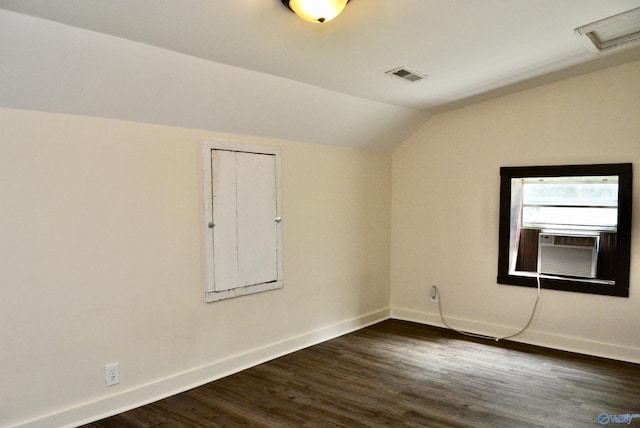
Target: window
243	236
571	225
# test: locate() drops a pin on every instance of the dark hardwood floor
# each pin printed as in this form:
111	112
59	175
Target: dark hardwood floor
397	373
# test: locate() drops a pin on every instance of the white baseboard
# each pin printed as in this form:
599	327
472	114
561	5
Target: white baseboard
145	394
532	337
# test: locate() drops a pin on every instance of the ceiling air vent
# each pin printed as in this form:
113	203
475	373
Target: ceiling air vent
407	74
613	33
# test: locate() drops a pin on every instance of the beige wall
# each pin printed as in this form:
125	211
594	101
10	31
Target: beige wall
101	261
445	185
101	244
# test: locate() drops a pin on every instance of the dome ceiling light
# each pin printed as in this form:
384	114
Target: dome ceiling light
317	11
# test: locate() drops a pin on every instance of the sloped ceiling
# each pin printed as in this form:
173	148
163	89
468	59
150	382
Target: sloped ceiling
253	67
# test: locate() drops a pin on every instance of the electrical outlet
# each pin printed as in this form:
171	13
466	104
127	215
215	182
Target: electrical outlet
433	294
112	377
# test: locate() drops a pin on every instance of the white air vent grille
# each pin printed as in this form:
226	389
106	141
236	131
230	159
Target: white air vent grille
407	74
613	33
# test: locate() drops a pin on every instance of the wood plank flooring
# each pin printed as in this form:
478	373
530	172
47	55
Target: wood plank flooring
402	374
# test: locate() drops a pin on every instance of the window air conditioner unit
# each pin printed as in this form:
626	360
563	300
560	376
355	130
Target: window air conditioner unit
568	255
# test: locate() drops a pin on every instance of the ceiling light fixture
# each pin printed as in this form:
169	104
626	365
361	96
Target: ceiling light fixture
317	11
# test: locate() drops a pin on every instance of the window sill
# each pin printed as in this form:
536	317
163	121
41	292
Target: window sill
582	285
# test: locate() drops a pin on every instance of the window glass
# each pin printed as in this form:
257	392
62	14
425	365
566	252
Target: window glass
575	203
555	191
570	217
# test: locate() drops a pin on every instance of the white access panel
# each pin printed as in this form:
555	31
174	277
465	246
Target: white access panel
243	237
225	241
256	214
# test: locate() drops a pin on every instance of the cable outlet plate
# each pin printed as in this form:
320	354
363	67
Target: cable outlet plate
112	377
433	295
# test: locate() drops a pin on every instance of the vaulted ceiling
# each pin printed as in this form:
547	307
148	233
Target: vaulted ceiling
469	50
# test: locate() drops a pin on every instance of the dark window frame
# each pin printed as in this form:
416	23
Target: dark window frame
623	246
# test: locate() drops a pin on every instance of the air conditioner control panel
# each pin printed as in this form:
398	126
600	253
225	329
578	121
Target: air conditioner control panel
568	240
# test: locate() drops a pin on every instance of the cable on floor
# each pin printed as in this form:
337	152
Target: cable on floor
483	336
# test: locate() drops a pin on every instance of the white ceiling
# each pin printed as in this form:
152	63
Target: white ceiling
470	49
